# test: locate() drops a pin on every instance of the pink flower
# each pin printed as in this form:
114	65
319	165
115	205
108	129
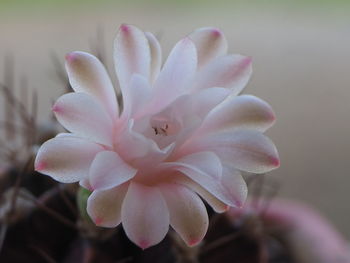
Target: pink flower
183	133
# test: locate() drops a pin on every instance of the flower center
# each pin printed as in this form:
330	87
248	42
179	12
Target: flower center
164	126
162	130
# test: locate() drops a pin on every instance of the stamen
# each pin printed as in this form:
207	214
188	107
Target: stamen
161	130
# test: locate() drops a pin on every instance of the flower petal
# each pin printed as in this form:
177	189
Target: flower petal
104	206
246	150
210	43
205	100
215	203
231	71
244	112
85	182
234	183
87	74
135	97
188	215
205	169
131	55
109	170
83	115
156	55
66	159
176	75
145	215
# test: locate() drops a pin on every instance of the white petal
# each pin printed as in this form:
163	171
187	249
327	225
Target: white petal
206	163
136	96
234	183
176	75
131	55
215	203
246	150
244	112
210	43
188	215
145	215
104	206
109	170
156	55
205	169
66	159
85	182
232	72
84	116
87	74
205	100
66	134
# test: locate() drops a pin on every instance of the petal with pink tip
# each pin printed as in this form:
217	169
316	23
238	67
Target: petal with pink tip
85	182
205	169
84	116
231	71
176	75
66	159
243	112
145	215
188	215
156	55
87	74
246	150
104	206
210	43
109	170
131	55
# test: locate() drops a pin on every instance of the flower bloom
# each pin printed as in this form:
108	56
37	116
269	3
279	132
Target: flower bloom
183	134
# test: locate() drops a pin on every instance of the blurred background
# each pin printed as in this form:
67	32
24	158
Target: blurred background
301	60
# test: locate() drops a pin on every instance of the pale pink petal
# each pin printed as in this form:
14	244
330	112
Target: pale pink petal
133	145
215	203
139	150
180	118
198	104
205	100
136	96
231	71
205	169
210	43
244	112
246	150
188	215
131	55
87	74
234	183
109	170
156	55
81	114
85	182
66	134
184	115
66	159
145	215
177	74
104	206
